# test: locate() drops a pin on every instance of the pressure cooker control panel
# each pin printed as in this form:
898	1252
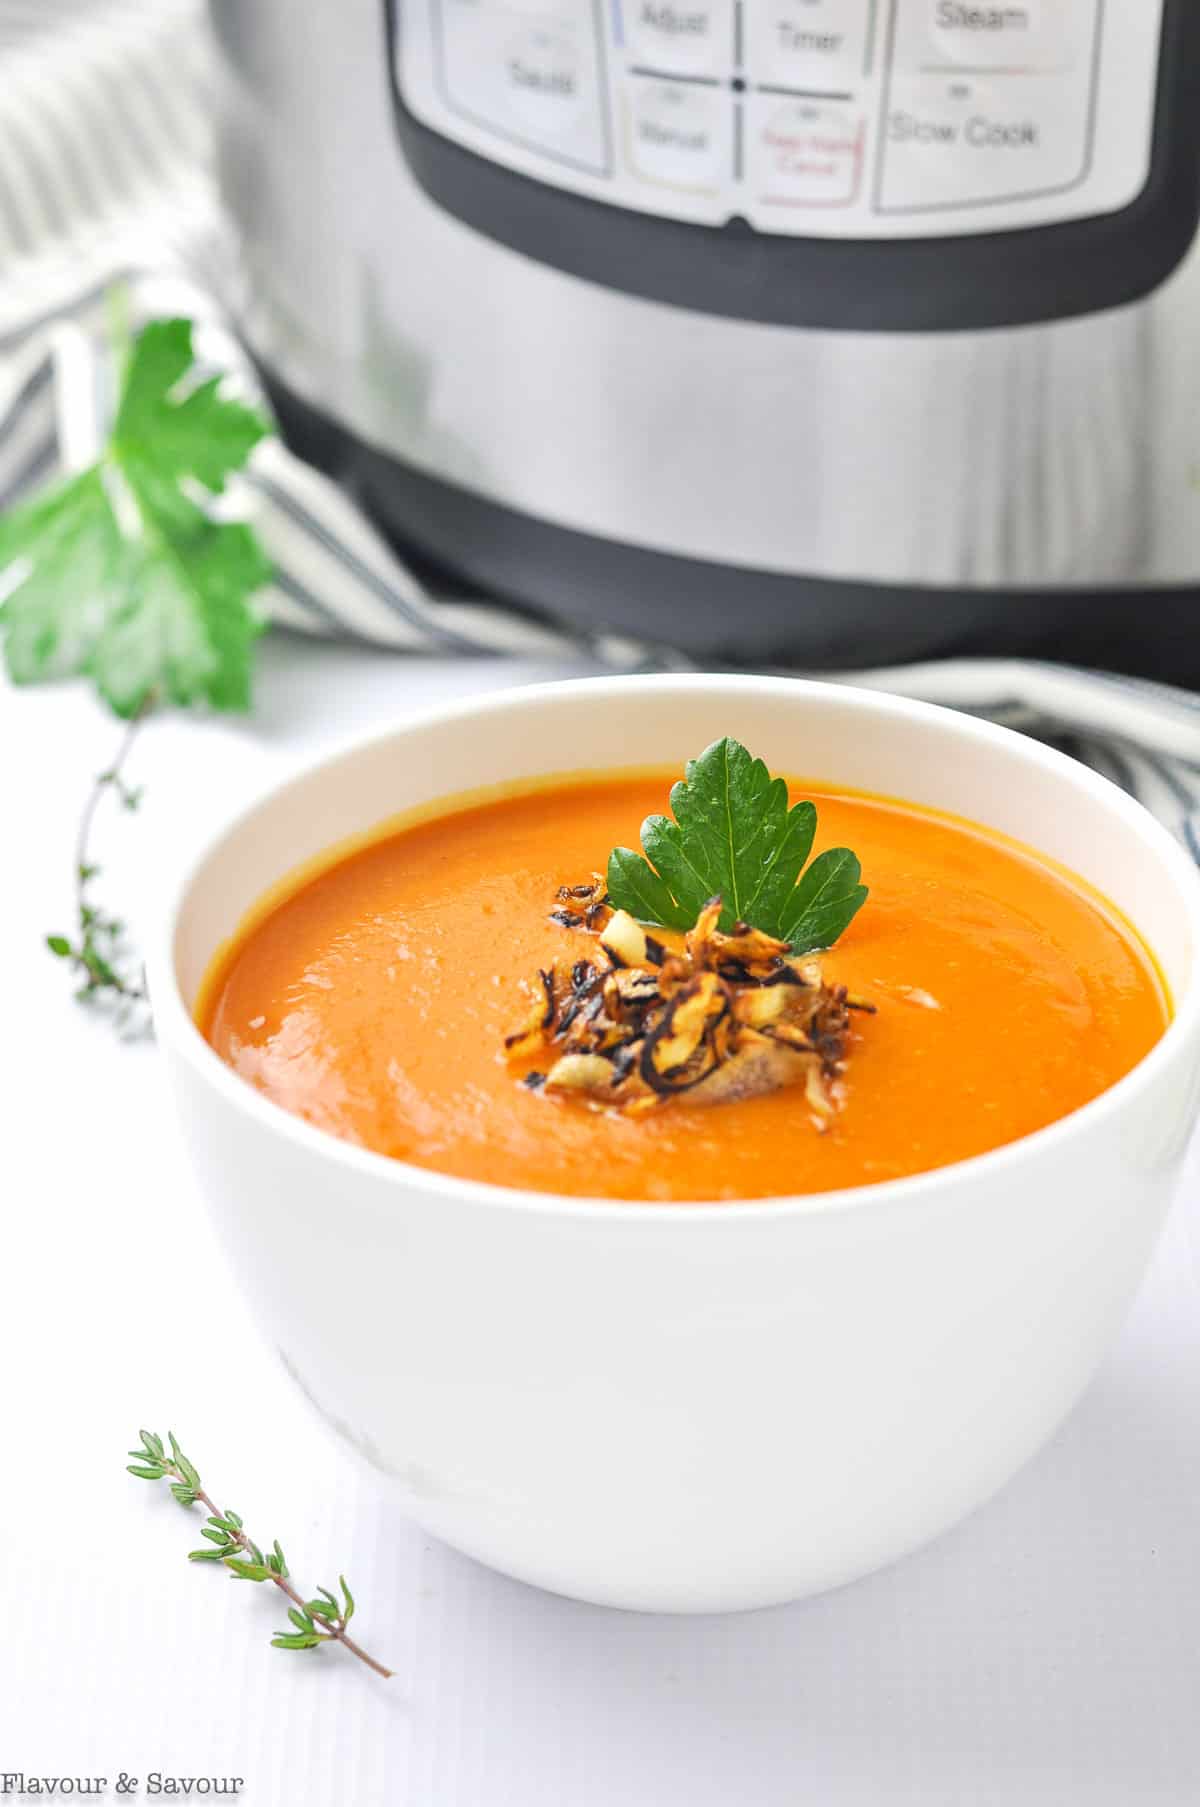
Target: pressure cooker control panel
848	119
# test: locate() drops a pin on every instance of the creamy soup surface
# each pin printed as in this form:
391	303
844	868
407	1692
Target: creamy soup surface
374	1001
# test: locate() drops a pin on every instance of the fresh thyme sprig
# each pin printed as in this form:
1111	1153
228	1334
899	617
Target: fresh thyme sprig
109	970
322	1620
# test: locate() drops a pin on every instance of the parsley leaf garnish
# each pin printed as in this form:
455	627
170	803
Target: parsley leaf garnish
120	573
734	836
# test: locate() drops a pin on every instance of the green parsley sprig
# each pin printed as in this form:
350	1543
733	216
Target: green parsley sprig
321	1620
734	836
121	574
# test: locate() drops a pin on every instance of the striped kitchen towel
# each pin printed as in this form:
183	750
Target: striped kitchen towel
106	182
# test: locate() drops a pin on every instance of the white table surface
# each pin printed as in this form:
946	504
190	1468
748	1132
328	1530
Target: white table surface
1045	1652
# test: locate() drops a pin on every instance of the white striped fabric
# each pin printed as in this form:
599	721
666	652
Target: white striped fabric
105	182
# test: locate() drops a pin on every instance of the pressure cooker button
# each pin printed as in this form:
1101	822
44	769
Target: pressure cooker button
805	153
678	134
542	79
954	142
535	81
1017	36
685	35
807	43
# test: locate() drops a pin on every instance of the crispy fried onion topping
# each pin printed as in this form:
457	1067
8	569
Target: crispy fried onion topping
634	1024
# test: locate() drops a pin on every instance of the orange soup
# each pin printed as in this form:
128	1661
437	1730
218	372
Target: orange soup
374	1001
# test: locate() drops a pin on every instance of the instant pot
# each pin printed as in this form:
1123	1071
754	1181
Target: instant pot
833	330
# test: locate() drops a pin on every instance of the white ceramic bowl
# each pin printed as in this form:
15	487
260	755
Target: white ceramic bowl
705	1406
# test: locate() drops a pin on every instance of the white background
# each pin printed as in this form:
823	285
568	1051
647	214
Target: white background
1046	1652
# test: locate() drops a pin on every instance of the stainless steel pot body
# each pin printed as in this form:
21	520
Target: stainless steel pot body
1047	460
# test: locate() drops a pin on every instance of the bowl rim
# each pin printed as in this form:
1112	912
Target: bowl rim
177	1027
